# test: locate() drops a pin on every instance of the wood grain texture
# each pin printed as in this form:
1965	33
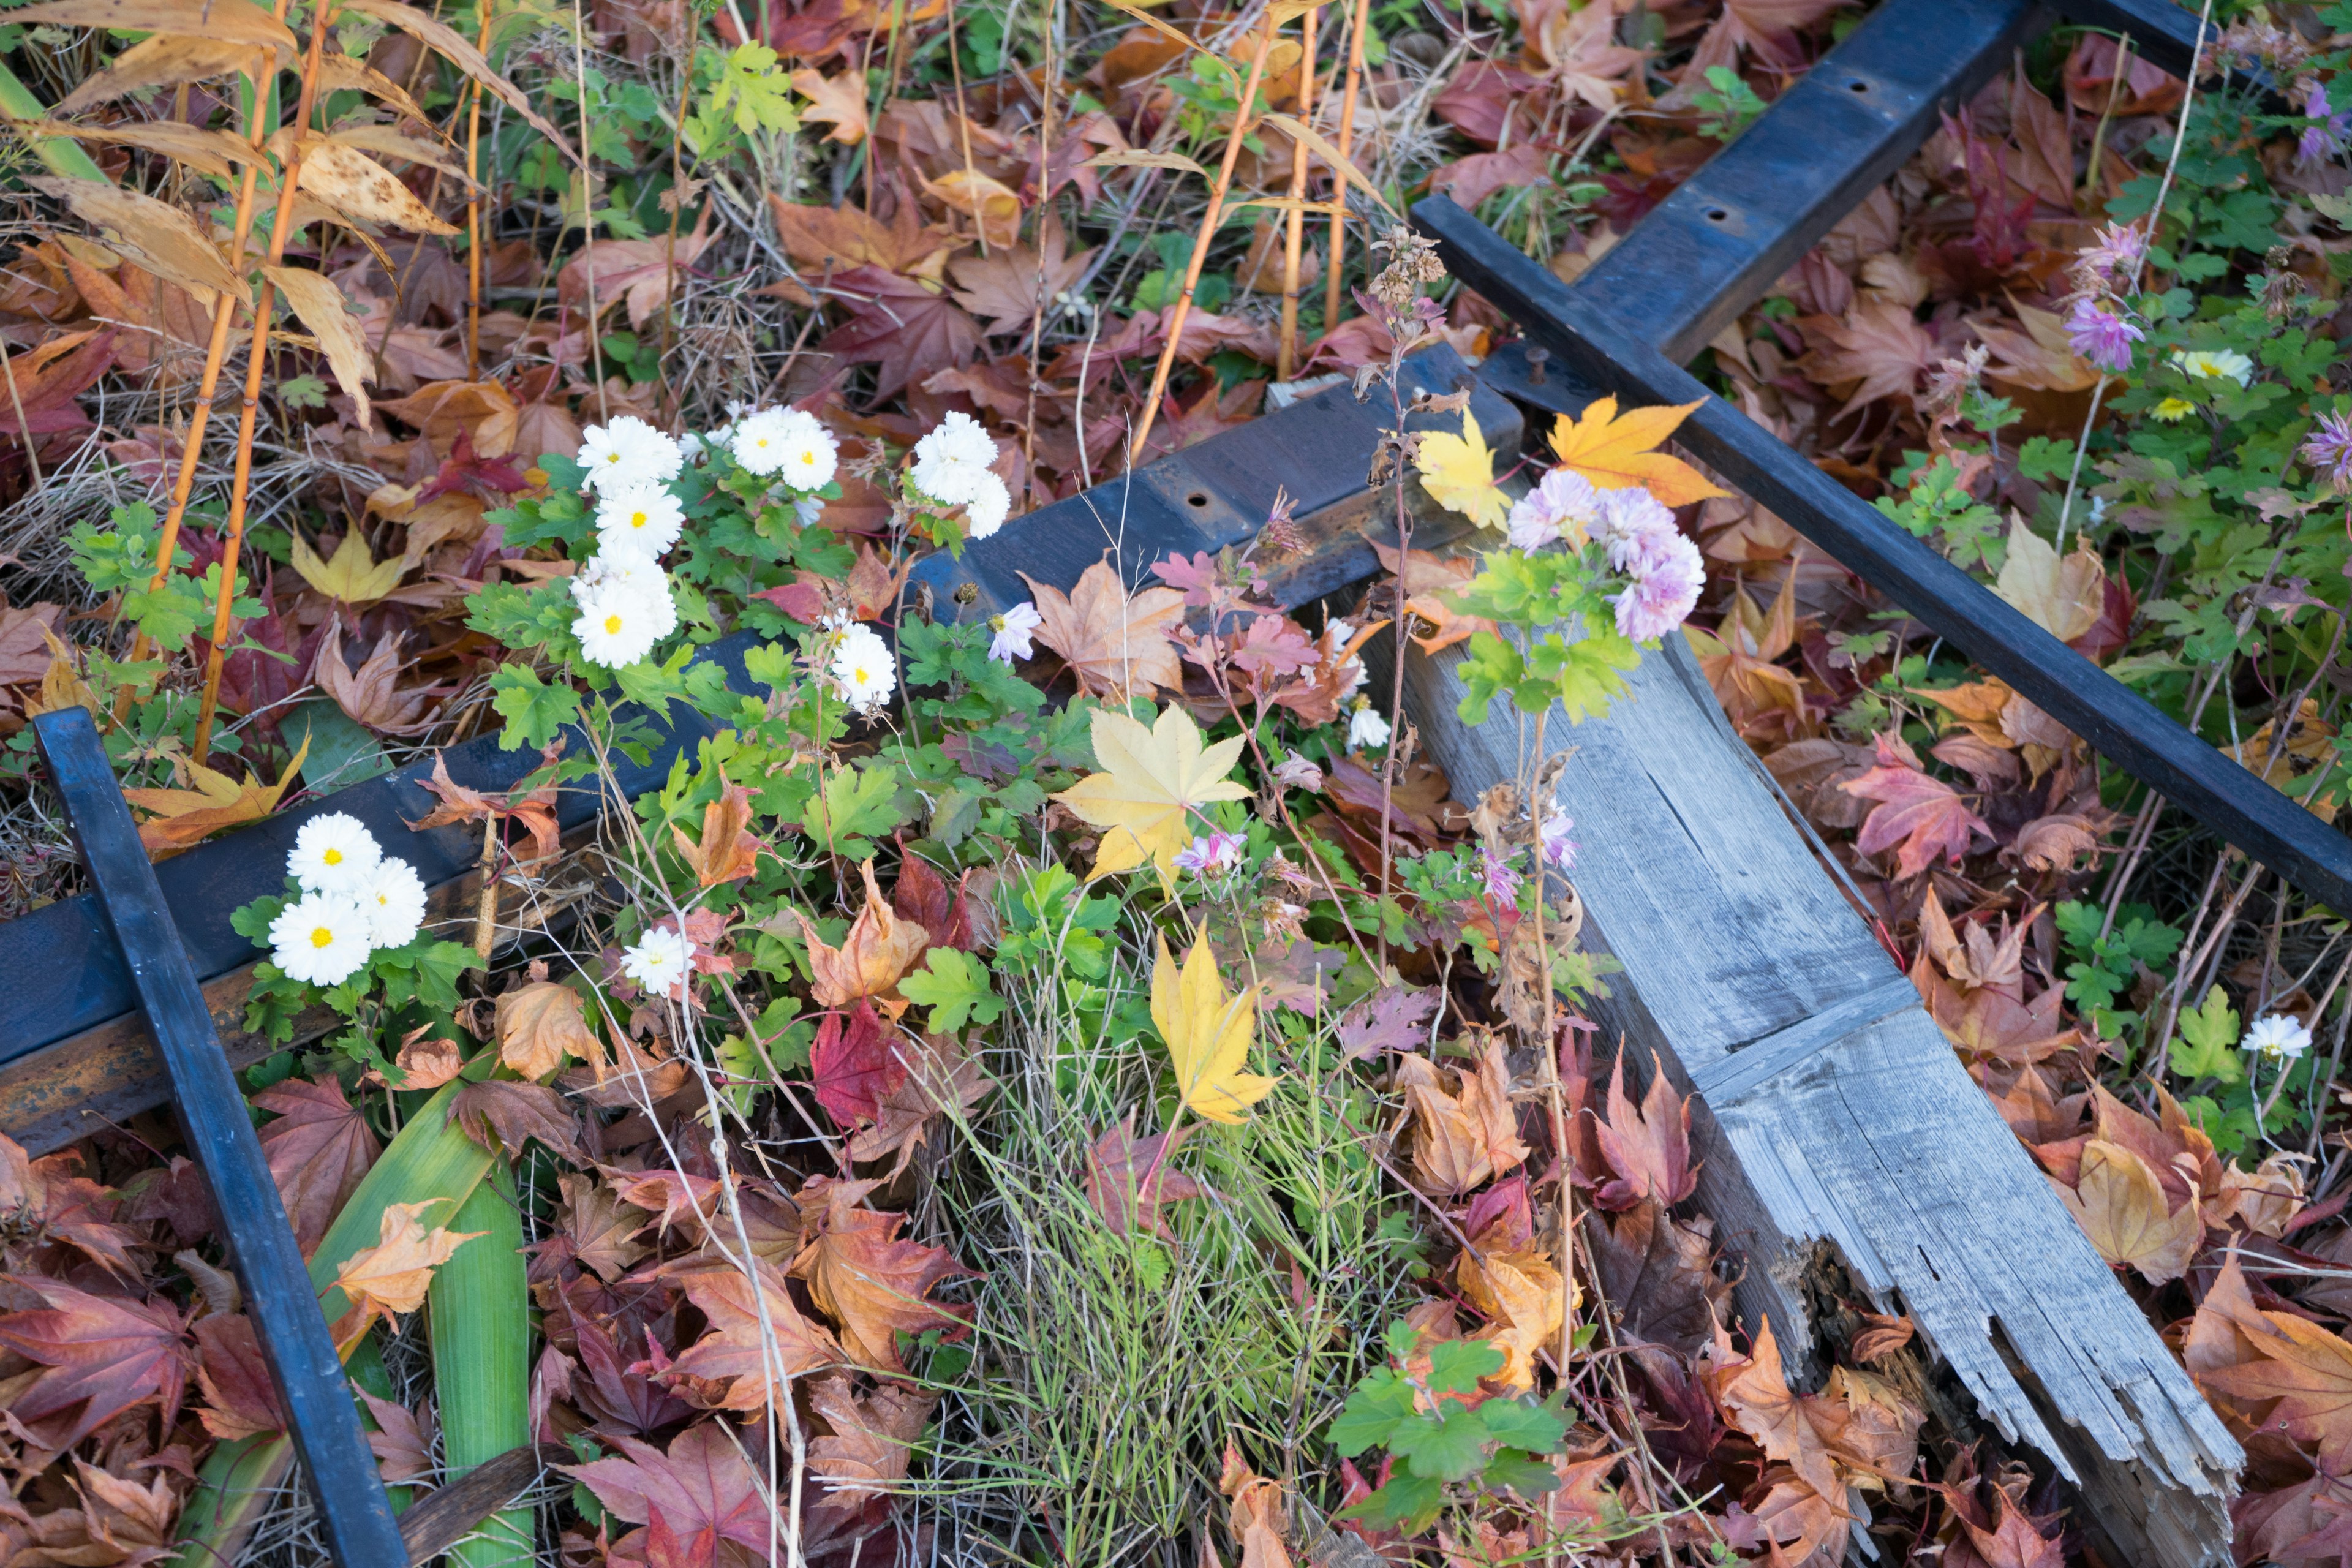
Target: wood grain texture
1867	1136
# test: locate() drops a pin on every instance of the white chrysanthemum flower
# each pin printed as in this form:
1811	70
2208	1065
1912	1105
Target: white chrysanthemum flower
662	961
1366	728
761	440
1628	519
863	669
321	938
628	451
950	461
990	505
334	854
2214	365
1012	628
621	620
2280	1036
394	902
811	453
639	522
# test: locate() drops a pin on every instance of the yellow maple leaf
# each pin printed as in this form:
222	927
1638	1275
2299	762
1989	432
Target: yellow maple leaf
352	575
392	1277
1614	451
1458	472
182	817
1208	1034
1151	783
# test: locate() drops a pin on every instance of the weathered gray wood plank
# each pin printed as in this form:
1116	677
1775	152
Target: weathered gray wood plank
1830	1109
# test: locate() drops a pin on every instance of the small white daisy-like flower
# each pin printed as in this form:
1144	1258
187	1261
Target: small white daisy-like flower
990	505
760	441
950	461
394	902
639	522
2279	1036
621	620
1366	728
628	451
811	453
2214	365
1013	629
863	669
662	961
334	854
321	938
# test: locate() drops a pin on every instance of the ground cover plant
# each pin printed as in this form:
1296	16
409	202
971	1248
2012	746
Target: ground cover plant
1073	1086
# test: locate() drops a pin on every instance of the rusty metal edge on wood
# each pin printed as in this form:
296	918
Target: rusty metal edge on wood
320	1415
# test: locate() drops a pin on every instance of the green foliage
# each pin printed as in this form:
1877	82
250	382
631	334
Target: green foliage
955	986
1438	1436
2208	1046
1726	104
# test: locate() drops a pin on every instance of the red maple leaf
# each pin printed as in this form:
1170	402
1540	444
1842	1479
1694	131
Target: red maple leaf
901	327
104	1354
318	1149
1129	1180
702	1492
1926	816
1649	1150
852	1066
922	895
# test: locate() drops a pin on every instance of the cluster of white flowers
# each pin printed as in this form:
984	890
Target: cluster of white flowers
789	444
1665	569
355	898
952	468
622	595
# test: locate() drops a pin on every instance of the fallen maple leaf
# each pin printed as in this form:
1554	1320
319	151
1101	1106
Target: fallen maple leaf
1521	1290
900	326
182	817
872	1438
727	852
1129	1180
1458	472
879	948
1649	1150
867	1279
757	1339
240	1397
1154	782
702	1492
943	1076
1467	1139
2064	597
1925	816
390	1278
541	1025
318	1147
599	1231
1208	1034
1614	451
104	1355
2122	1208
838	101
1256	1512
1394	1018
1879	346
352	575
1006	287
1427	580
852	1066
500	1115
1115	644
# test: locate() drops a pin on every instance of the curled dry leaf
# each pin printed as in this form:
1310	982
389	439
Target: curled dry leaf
1521	1290
156	235
879	948
182	817
164	60
1254	1511
541	1024
350	180
1463	1139
871	1439
868	1280
2064	597
319	303
454	45
757	1338
2121	1204
391	1278
728	852
230	21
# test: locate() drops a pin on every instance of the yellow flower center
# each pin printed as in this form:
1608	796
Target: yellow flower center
638	519
862	678
612	626
334	856
322	937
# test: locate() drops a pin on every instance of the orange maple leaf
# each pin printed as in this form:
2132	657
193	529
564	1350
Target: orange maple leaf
1926	816
1616	450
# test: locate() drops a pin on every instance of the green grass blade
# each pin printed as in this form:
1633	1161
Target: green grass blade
61	153
480	1324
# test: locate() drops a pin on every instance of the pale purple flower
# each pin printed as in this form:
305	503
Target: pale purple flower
1564	506
2324	139
1211	856
1559	848
1013	629
2101	337
1502	880
1631	519
1297	772
2118	250
1667	574
2328	450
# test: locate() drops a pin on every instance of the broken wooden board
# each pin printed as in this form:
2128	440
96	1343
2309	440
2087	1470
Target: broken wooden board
1829	1109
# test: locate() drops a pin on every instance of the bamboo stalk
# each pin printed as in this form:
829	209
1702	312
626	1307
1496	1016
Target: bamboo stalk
281	224
1359	27
1172	323
1285	364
